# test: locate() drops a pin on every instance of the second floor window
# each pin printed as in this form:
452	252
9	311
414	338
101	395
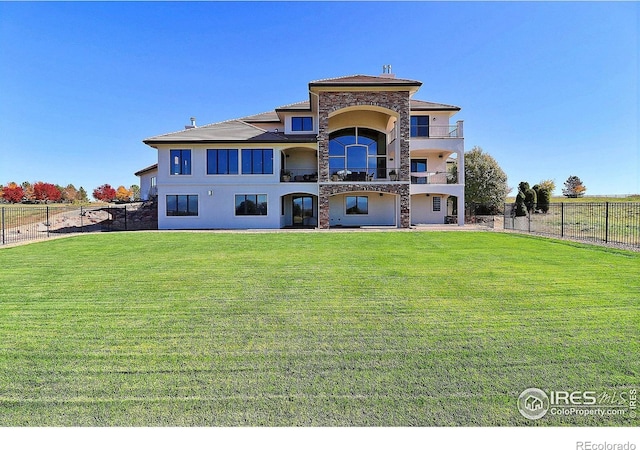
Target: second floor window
180	162
257	161
419	126
302	124
222	162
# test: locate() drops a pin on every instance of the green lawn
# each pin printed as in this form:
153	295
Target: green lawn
373	328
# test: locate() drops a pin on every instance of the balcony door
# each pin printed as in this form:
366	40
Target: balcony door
418	171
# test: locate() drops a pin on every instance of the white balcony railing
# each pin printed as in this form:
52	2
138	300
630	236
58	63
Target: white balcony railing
434	178
440	131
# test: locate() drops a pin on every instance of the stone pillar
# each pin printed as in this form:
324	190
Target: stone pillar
397	103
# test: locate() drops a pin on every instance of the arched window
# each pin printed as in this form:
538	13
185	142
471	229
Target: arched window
357	154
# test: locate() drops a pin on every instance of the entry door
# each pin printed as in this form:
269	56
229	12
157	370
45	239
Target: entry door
302	210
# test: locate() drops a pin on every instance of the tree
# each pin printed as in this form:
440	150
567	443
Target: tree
530	198
543	195
573	187
46	192
123	194
12	193
520	209
70	193
82	195
104	193
135	192
485	182
547	185
27	188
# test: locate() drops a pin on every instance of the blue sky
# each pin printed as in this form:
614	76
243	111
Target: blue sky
548	89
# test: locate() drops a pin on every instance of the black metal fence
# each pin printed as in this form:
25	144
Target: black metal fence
26	223
609	222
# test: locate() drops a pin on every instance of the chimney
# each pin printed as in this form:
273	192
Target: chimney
193	124
386	72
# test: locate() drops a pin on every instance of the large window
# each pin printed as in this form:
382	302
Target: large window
419	126
257	161
182	205
357	205
356	154
180	162
302	124
221	162
251	205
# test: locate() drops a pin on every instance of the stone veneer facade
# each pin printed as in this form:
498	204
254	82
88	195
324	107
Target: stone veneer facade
397	101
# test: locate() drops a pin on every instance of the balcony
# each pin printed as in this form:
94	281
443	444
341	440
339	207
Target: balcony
438	131
438	137
434	178
365	174
309	175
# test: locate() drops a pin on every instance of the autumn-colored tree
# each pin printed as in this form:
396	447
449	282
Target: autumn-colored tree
69	193
104	193
123	194
27	188
573	187
12	193
46	192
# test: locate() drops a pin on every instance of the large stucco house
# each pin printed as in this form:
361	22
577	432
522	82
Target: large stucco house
361	151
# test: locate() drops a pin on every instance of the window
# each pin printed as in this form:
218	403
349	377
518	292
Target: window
221	162
302	124
251	205
180	162
436	204
257	161
419	126
357	205
355	154
418	166
182	205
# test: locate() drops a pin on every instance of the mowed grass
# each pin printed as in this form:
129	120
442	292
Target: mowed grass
310	329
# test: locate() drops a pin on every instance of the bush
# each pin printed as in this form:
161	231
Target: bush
521	210
543	198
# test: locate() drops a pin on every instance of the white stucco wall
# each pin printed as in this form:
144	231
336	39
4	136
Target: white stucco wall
145	184
422	209
382	210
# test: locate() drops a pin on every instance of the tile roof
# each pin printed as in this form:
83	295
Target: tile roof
229	131
420	105
364	80
298	106
269	116
151	168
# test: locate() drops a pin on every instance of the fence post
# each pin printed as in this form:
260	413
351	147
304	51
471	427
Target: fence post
561	219
3	225
48	224
81	221
125	217
606	222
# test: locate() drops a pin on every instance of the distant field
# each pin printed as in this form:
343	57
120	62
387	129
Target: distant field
588	199
294	329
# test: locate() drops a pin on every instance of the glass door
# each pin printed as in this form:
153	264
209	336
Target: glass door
303	211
